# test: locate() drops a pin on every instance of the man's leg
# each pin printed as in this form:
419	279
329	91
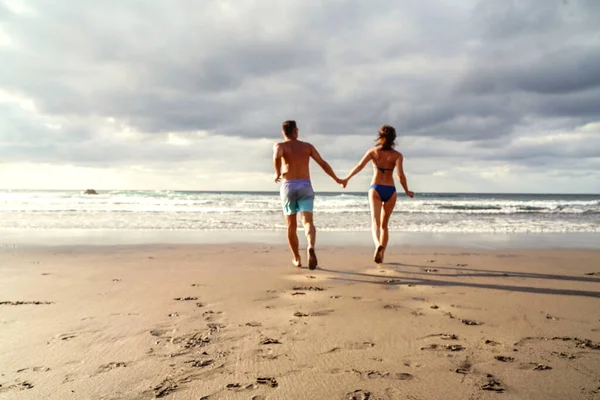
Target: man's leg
311	235
292	236
306	197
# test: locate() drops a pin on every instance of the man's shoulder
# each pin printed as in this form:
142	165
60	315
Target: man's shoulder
304	145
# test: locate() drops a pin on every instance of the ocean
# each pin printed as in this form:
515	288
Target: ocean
261	211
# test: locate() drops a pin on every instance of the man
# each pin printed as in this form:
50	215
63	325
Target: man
290	159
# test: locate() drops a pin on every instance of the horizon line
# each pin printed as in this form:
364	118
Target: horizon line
276	191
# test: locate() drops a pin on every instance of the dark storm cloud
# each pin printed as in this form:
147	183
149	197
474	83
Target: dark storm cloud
561	72
463	72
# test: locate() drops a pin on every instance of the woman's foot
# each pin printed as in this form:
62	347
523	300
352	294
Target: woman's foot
297	262
378	257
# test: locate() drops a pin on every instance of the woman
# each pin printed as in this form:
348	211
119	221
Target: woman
382	192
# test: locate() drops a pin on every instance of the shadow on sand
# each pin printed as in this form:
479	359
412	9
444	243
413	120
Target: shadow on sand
421	277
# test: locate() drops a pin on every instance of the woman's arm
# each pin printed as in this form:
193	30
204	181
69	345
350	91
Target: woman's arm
366	158
402	177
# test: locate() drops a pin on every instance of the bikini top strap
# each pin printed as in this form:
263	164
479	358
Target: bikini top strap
379	168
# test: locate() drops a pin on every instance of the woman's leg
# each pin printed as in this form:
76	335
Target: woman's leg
388	208
375	202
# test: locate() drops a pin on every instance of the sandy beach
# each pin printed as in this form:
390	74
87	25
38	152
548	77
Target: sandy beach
237	321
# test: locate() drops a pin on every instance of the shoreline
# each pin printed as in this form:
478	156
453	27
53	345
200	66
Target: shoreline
106	237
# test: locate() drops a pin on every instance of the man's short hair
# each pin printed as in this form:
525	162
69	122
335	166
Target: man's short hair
289	127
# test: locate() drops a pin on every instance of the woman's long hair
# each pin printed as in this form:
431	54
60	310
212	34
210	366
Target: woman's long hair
387	137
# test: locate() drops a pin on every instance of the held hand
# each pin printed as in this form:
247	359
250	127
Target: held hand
344	182
410	194
277	178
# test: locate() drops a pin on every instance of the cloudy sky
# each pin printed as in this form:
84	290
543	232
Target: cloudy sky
499	96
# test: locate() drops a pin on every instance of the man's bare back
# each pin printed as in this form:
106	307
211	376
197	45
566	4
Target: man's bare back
295	159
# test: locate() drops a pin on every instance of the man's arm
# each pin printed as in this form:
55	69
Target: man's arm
323	164
277	154
366	158
402	177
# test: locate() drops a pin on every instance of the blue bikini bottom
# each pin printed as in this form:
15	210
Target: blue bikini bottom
385	192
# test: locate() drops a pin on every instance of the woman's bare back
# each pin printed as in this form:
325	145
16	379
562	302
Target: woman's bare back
384	163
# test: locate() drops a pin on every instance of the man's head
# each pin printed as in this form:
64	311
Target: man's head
289	129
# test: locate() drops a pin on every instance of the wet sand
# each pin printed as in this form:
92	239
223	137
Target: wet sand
239	322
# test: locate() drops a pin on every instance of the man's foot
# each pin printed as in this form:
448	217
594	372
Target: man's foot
297	263
378	257
312	259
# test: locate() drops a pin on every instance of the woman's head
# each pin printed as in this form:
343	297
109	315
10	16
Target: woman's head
387	136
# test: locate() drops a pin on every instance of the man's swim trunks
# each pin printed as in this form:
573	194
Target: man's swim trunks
297	195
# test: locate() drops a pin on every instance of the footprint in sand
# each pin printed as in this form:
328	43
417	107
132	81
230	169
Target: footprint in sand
334	350
165	388
542	367
308	288
25	385
361	346
190	298
443	336
450	347
267	341
564	355
493	384
272	382
200	363
111	366
300	314
236	387
401	376
358	395
505	358
22	303
158	332
321	313
34	369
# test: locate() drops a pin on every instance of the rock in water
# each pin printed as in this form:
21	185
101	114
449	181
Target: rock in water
90	191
